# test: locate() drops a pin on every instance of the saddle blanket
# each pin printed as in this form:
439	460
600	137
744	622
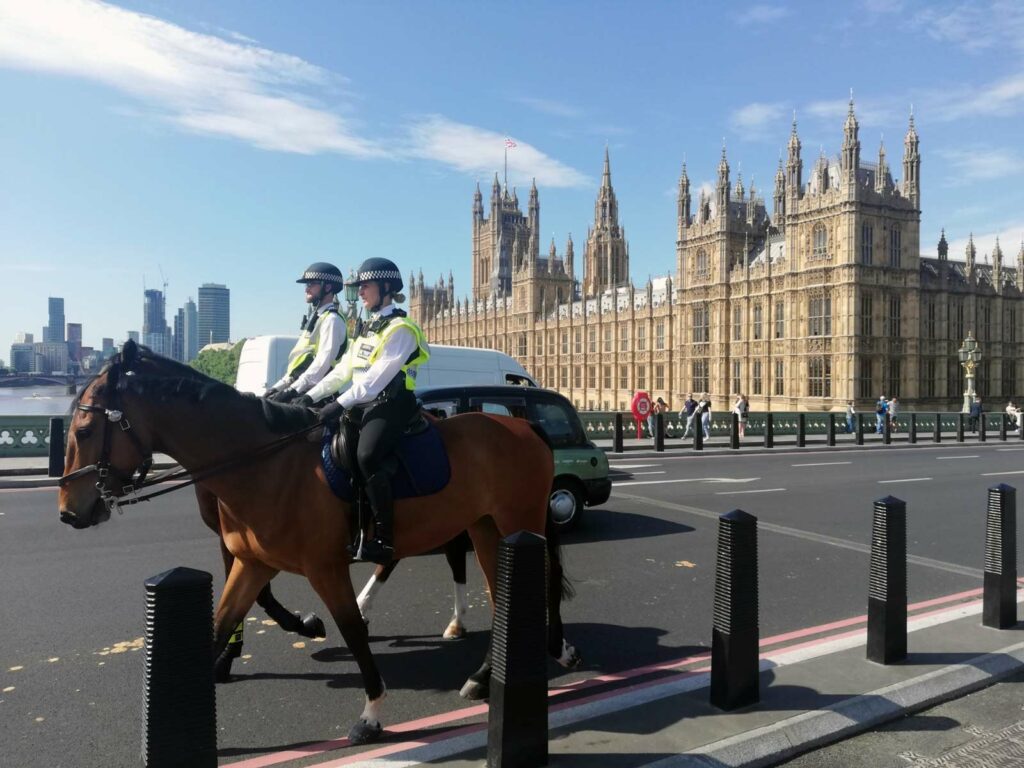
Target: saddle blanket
423	467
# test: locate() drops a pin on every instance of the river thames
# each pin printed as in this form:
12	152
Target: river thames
34	401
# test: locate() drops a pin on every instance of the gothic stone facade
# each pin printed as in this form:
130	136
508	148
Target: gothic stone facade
825	300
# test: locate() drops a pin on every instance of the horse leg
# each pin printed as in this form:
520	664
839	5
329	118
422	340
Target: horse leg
309	625
558	588
376	581
485	536
455	553
335	588
246	579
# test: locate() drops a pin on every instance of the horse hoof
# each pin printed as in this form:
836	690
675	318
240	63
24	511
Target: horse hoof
312	626
222	671
454	632
475	691
364	733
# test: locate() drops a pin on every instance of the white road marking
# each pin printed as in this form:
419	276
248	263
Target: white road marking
994	474
631	466
690	480
1010	449
946	458
759	490
661	472
905	480
822	464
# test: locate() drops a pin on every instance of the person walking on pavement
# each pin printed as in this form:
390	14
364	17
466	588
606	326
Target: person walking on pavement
851	417
704	409
323	336
687	413
893	409
652	418
976	412
381	364
881	411
741	409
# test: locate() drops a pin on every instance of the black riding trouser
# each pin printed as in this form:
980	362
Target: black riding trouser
376	435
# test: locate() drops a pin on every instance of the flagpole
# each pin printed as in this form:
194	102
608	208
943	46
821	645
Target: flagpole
506	164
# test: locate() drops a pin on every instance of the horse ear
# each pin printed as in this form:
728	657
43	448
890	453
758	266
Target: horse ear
129	353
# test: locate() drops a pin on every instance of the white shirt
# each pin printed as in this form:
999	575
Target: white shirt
332	335
397	349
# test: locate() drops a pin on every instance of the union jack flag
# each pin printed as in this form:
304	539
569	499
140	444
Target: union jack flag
509	144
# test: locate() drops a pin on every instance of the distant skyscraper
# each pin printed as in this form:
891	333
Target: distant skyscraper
75	342
108	347
22	356
190	330
214	314
55	330
154	322
133	336
24	338
50	357
179	336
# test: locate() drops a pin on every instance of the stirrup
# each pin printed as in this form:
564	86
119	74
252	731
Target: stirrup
375	551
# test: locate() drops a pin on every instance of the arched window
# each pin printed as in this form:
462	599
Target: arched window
701	266
820	242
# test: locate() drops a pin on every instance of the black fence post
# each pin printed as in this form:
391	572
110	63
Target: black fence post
860	429
617	437
982	436
999	606
887	589
801	430
960	427
517	721
831	439
56	468
913	428
1002	427
735	635
734	432
698	433
659	431
937	434
769	429
180	711
886	429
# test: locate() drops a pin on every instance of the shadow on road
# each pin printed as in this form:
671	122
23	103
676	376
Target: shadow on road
609	524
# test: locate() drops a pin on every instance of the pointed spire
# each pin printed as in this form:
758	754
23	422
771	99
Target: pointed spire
943	246
606	175
794	140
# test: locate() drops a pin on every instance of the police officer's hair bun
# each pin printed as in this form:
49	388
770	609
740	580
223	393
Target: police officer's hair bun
398	298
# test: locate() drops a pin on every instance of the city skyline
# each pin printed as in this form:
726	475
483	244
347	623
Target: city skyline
304	140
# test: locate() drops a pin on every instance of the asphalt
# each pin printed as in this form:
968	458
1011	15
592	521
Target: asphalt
822	703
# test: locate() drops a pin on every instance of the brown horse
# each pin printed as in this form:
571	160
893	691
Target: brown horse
277	512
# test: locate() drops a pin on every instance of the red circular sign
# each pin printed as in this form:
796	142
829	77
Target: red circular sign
641	405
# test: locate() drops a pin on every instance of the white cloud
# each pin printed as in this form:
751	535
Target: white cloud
981	162
976	27
757	118
869	113
762	14
549	106
199	82
1000	99
481	152
1010	237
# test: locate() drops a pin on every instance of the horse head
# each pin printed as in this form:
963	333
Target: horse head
108	454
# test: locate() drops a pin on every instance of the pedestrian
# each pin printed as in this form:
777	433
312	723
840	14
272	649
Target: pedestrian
850	417
741	409
881	408
652	418
1013	413
975	413
687	413
893	409
704	408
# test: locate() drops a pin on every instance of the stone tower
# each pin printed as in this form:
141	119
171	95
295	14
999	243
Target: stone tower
606	257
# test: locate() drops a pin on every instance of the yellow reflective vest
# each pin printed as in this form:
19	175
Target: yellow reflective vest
365	350
306	347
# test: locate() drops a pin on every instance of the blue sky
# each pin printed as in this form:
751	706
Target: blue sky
236	142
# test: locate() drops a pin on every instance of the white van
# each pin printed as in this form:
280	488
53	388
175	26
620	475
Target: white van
264	358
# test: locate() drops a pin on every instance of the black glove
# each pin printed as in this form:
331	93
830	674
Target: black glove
286	396
271	394
331	412
305	401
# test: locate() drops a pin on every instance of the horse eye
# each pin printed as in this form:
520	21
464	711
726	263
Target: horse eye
83	432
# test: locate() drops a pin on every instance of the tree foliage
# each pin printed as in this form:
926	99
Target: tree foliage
220	364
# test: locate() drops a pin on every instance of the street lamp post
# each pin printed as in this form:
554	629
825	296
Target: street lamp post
970	356
352	299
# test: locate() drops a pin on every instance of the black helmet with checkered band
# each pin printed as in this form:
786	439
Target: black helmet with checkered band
381	270
322	272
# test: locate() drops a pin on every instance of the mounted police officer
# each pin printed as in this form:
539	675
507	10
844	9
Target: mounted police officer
322	341
381	364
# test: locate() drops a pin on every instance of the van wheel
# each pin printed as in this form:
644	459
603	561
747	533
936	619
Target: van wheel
565	506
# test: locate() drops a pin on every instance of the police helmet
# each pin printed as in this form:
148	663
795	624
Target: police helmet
322	272
379	269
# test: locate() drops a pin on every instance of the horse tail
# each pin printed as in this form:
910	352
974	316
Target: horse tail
566	589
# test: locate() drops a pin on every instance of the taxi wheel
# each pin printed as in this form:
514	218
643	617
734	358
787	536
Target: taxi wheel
565	506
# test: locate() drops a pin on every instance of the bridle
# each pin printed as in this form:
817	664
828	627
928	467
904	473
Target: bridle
103	468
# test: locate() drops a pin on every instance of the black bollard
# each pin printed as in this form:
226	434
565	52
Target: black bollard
769	429
959	427
56	468
860	429
801	430
982	437
886	429
517	721
887	588
617	437
913	428
831	425
698	433
999	607
180	712
659	431
937	434
734	432
1002	427
735	635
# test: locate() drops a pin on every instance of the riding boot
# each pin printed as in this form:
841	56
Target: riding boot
381	548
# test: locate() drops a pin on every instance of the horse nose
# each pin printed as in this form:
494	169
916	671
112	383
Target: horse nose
67	517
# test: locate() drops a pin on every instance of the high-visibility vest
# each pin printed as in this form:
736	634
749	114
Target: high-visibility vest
366	349
306	347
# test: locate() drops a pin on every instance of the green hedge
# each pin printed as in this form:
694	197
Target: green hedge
220	364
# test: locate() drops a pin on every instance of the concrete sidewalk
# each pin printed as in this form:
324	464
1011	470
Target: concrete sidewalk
817	688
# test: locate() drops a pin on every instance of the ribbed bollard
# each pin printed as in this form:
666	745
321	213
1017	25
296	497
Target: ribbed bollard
860	429
887	589
735	635
179	727
830	438
913	428
617	436
1002	427
698	433
659	431
517	722
999	608
937	433
801	430
734	432
959	427
982	437
886	429
769	431
56	468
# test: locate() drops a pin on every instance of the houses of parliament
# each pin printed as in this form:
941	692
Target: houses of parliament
827	299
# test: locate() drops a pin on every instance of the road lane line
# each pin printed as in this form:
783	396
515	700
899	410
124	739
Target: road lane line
759	490
994	474
722	480
822	464
636	474
947	458
819	538
1010	449
905	480
631	466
